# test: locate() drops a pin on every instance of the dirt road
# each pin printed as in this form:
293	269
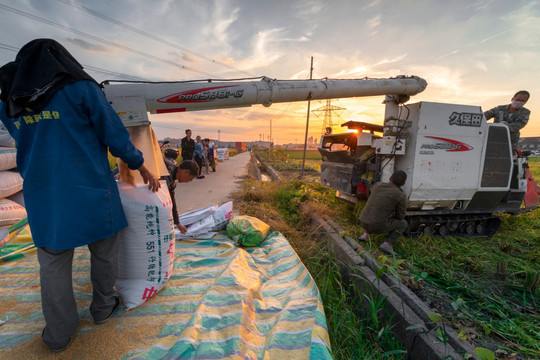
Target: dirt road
215	188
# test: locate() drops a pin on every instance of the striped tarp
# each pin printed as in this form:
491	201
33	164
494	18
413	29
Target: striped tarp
221	302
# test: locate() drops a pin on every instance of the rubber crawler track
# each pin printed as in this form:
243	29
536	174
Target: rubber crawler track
463	225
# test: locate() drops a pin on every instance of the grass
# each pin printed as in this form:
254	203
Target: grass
291	160
355	332
478	299
487	289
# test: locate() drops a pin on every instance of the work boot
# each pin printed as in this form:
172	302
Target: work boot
364	237
386	248
116	304
57	349
392	238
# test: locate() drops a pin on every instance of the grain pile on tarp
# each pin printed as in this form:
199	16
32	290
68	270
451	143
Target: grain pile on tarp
221	302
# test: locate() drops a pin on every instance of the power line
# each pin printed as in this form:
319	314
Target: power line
89	67
9	47
148	35
96	38
124	76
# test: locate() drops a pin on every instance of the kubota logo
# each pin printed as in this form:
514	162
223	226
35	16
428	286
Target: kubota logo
202	95
447	144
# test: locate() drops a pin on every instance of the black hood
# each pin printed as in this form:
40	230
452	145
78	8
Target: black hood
41	68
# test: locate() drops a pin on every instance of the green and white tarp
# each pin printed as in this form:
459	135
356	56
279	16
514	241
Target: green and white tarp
221	302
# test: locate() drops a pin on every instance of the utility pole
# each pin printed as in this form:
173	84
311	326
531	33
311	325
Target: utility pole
270	139
307	120
218	134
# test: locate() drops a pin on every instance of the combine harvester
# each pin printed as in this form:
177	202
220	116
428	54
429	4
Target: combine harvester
460	168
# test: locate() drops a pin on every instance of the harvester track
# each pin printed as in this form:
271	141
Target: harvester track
463	225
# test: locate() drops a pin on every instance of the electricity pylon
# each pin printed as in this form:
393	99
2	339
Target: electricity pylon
327	111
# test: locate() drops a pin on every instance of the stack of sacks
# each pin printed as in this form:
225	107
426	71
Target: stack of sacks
11	183
223	154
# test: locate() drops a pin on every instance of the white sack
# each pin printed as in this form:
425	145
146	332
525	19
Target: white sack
5	137
11	182
146	246
8	158
11	212
206	228
222	216
196	215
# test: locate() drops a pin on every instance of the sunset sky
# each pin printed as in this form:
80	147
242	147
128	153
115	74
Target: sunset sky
474	52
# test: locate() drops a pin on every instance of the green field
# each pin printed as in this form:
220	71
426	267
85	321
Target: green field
310	155
487	289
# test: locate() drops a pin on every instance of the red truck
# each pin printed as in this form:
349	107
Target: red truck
240	146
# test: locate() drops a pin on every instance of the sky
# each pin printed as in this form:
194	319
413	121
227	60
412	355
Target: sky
471	52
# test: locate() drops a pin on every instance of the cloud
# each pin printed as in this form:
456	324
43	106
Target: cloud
481	65
359	71
265	50
223	22
307	9
374	24
453	52
391	61
371	4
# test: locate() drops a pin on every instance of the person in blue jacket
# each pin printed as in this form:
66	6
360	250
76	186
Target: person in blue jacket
198	155
63	126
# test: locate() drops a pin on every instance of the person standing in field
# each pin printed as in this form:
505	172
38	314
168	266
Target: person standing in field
63	126
198	155
206	153
188	146
211	154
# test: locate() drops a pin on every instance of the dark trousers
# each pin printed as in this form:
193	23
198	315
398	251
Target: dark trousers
212	162
395	227
199	161
57	298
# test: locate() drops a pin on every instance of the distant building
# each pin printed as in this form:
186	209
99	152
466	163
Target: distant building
261	144
529	143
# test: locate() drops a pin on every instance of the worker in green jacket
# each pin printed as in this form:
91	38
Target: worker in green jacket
513	115
384	211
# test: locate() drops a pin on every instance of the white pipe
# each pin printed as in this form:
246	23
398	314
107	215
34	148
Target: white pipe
191	96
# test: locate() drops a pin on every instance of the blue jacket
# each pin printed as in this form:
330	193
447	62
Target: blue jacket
69	191
198	150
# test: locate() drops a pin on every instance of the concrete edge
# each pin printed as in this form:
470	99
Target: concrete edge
274	174
254	168
411	315
410	298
